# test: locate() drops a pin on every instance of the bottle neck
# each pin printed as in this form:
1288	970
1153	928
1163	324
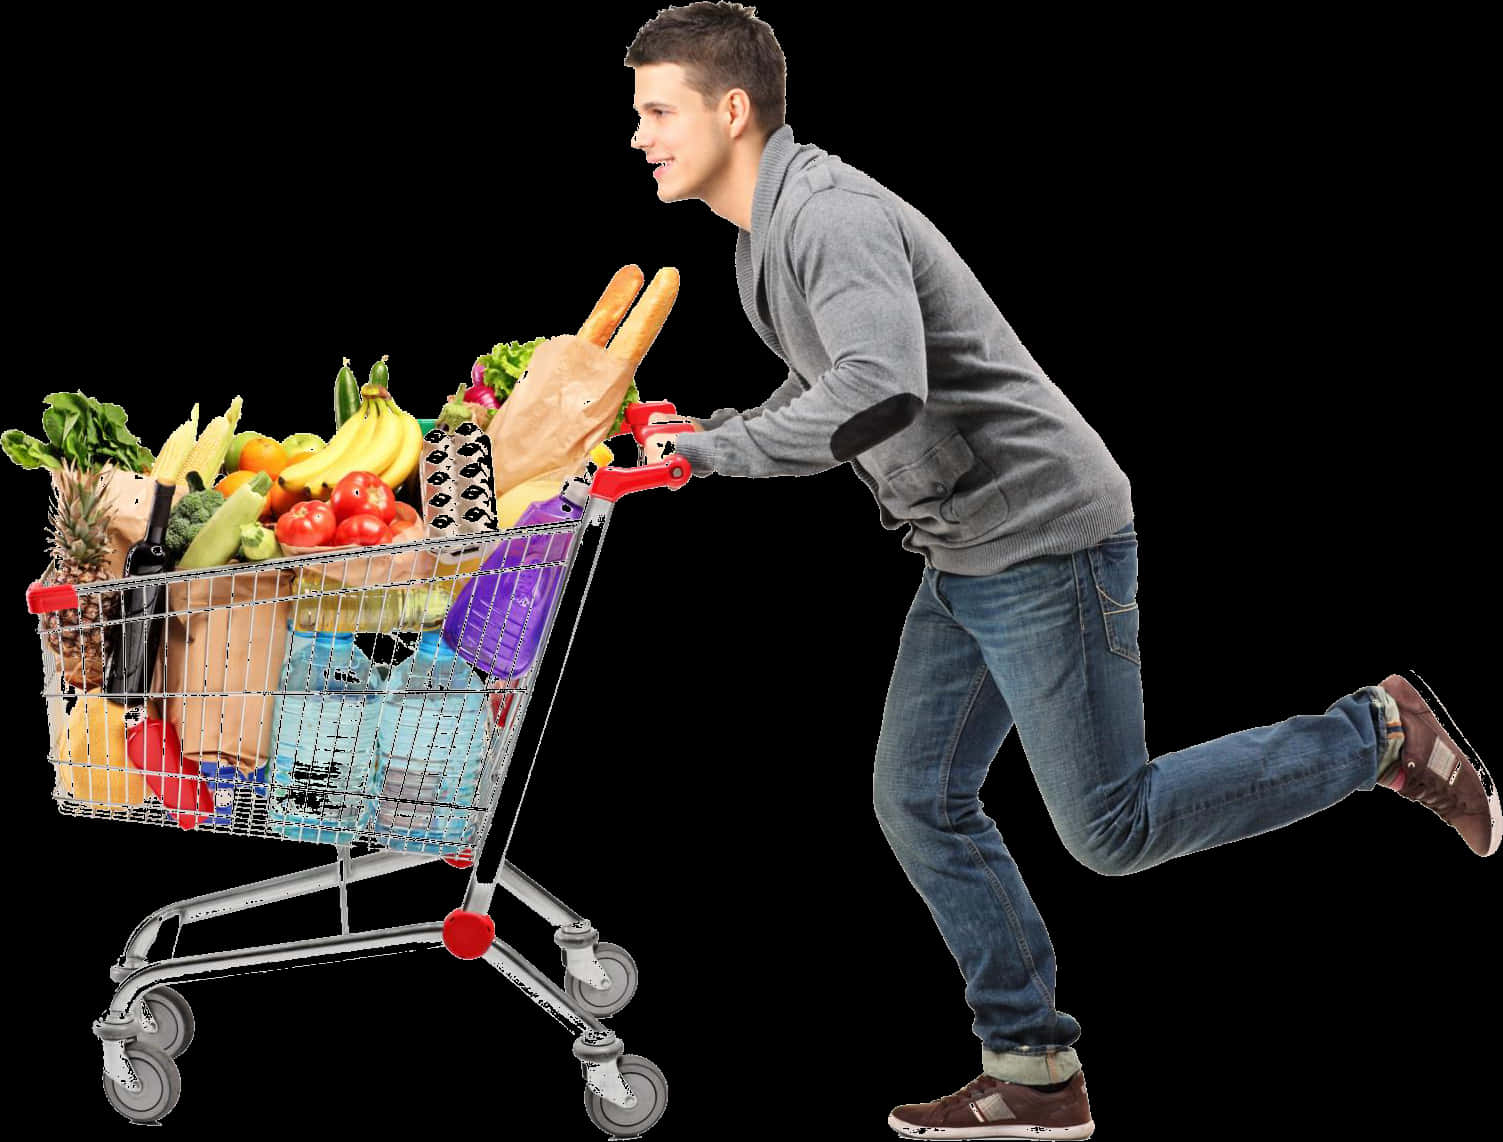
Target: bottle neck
161	512
323	639
433	650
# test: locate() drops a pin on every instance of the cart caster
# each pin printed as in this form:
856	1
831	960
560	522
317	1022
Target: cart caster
159	1080
169	1025
621	969
650	1087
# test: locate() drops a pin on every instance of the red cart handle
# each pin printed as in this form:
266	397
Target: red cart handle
639	412
612	483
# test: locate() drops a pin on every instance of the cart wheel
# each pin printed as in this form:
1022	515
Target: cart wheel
622	970
651	1089
160	1085
174	1018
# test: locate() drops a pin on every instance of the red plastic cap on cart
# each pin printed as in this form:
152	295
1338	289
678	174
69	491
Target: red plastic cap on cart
42	600
461	860
468	934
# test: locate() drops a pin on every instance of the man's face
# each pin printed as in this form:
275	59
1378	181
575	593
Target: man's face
674	124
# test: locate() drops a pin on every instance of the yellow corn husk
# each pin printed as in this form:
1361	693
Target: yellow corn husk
208	454
174	454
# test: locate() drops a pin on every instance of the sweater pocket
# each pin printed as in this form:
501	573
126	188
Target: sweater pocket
948	492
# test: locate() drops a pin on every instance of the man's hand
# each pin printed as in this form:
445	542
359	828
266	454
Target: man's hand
658	442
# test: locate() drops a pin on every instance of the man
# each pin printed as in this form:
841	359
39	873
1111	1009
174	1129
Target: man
1026	613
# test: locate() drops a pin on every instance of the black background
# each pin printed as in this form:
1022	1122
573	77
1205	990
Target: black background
1224	256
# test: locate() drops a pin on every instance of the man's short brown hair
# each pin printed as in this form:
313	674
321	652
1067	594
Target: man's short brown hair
719	46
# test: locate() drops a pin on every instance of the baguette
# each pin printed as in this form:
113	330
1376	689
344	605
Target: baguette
611	307
640	330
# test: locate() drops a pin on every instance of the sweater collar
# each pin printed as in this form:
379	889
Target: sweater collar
777	153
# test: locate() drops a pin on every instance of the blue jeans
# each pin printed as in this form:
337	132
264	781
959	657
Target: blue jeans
1051	645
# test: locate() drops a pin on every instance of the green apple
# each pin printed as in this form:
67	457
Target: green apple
301	441
238	442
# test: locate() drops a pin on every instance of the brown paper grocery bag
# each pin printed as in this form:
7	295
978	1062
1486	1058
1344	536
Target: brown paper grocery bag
560	408
221	664
375	590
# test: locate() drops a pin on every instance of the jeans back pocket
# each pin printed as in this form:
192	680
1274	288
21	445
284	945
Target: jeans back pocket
1114	571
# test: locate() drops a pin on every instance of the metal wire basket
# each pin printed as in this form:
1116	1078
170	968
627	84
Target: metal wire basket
314	697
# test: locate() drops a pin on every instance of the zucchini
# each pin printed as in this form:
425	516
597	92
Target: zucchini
380	374
346	395
219	539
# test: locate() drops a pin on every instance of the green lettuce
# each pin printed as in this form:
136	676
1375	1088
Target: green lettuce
505	364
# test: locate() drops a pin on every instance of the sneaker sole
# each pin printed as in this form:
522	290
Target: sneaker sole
1469	755
996	1130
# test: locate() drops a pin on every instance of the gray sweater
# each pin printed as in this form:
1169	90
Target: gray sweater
901	365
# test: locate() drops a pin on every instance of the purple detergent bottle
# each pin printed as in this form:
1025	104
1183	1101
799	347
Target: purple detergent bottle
498	617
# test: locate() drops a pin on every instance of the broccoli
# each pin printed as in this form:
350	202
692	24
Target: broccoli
189	514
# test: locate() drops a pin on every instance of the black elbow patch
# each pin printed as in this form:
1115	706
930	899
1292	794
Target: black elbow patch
874	425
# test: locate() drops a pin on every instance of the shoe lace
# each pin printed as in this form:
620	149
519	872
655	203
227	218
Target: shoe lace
1433	793
972	1090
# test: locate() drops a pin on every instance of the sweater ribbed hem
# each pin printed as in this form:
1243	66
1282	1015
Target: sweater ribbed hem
1074	531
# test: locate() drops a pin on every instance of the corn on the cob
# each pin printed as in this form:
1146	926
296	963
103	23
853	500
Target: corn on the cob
208	454
174	454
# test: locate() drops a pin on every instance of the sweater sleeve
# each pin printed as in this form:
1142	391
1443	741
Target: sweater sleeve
851	263
789	389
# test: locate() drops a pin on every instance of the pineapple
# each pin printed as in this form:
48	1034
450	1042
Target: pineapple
80	545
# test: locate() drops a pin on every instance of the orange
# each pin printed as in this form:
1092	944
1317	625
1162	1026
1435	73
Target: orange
263	454
279	500
226	487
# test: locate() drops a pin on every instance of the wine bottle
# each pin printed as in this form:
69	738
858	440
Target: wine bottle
141	608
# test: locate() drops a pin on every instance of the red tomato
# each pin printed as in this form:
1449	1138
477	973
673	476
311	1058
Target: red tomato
363	492
307	524
406	516
365	528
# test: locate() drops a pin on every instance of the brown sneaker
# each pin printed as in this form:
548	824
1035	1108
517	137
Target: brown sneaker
1435	771
990	1108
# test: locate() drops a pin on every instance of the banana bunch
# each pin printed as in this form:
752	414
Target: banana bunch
379	438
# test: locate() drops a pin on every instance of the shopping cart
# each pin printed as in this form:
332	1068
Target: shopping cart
289	745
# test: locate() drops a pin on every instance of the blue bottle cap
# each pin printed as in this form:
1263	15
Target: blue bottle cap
431	644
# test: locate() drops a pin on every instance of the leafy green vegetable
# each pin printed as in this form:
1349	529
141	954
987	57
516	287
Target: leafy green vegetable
505	364
81	431
631	395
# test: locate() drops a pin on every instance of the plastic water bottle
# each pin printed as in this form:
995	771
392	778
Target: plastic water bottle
433	739
497	620
321	775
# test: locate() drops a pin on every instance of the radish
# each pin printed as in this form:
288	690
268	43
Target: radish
482	394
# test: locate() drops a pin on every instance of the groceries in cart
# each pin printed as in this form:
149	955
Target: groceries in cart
234	625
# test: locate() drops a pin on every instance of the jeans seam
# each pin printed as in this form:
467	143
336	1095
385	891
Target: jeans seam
1019	938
